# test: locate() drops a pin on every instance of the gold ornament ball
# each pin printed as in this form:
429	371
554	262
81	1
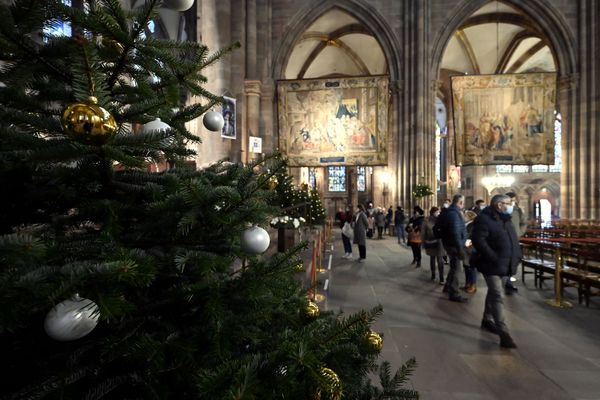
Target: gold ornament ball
333	388
299	267
311	310
88	123
374	340
273	183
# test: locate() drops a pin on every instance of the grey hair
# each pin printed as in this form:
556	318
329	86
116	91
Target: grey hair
499	198
456	198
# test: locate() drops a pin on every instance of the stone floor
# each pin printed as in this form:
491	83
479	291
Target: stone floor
558	354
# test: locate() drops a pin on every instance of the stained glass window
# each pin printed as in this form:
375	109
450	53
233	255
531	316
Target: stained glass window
337	179
520	169
557	144
312	177
361	179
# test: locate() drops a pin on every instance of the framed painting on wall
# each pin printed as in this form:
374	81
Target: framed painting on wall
228	112
341	121
504	119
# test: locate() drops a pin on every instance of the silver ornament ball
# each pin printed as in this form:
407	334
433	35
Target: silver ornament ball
71	319
179	5
155	125
213	121
255	240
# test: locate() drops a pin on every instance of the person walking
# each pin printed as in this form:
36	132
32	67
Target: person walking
361	224
344	218
379	222
433	246
400	225
519	220
414	234
470	271
496	255
454	238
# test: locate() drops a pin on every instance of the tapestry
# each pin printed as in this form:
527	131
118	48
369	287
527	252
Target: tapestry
504	119
341	121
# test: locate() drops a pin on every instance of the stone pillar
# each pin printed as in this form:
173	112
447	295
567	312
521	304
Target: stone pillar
570	162
266	118
251	117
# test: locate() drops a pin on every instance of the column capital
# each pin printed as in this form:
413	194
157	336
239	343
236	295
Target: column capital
252	87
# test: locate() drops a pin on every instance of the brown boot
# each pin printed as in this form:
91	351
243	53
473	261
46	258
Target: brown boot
472	288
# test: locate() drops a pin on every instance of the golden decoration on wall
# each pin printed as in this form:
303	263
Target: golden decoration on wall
342	121
504	119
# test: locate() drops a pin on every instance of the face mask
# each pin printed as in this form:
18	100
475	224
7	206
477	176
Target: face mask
509	209
445	205
437	214
481	207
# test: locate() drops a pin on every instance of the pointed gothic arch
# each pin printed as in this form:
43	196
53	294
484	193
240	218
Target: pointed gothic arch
562	42
361	11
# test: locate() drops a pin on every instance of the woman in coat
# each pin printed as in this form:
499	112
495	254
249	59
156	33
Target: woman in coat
433	246
361	224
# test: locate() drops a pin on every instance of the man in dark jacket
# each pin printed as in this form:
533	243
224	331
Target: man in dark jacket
454	238
496	256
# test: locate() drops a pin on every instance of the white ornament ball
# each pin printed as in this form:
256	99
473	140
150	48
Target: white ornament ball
156	125
71	319
255	240
179	5
213	121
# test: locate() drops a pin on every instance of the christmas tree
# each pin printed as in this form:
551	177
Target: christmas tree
120	283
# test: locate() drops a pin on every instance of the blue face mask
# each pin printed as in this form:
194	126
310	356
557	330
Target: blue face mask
509	209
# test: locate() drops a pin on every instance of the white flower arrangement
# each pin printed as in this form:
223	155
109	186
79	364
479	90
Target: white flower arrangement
287	222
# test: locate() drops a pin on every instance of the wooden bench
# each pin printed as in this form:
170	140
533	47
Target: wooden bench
579	265
581	269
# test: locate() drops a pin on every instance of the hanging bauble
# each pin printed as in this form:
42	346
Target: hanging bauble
374	341
155	126
88	123
213	121
272	183
255	240
311	311
179	5
71	319
331	388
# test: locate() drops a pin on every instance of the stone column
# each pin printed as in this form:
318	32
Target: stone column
266	118
570	164
251	117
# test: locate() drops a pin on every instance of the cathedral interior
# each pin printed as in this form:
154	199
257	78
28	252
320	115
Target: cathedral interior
417	47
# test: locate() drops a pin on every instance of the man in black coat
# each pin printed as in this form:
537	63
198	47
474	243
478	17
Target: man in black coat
496	256
454	238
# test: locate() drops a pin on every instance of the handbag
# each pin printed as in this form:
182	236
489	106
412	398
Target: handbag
348	231
431	244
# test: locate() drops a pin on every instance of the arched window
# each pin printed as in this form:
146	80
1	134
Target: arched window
337	179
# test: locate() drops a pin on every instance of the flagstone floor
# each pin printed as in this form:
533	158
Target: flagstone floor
558	354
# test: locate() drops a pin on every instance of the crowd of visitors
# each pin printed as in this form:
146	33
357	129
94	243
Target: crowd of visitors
481	240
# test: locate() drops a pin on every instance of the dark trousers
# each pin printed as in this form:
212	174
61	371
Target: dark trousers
347	244
416	249
380	232
362	251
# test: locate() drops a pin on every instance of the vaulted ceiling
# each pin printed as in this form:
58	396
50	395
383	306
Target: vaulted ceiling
497	38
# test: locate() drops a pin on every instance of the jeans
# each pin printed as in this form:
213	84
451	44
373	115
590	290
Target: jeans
455	266
470	275
440	265
401	233
347	244
494	302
